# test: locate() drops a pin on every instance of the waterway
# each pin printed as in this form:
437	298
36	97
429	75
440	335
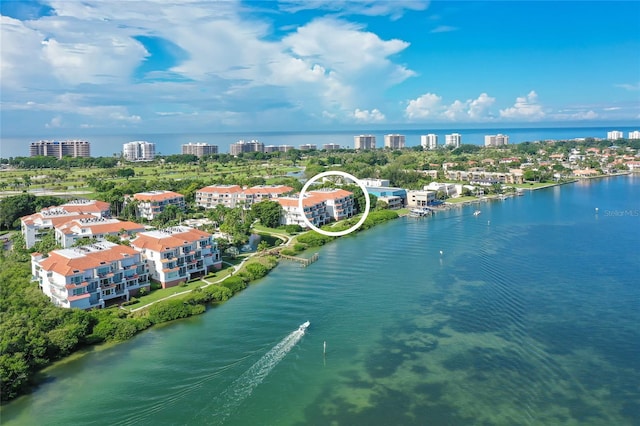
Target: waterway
525	314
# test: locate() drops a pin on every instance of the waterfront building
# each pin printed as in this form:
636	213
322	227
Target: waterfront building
59	149
363	142
93	227
480	176
232	196
36	225
395	198
241	146
447	188
394	141
87	277
199	149
496	140
139	151
320	207
330	146
175	255
339	203
429	141
308	147
375	183
614	135
152	203
420	198
634	135
453	140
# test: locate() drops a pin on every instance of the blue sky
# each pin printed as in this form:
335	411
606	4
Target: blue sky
76	67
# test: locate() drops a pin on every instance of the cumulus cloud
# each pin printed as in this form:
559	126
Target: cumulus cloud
629	87
366	116
525	108
395	9
430	106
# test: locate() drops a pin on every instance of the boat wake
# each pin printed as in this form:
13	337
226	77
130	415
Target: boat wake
243	386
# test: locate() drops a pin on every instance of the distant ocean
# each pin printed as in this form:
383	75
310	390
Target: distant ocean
169	143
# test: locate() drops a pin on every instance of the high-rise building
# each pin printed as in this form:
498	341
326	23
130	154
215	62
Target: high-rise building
139	151
330	146
615	135
496	140
394	141
308	147
364	142
59	149
634	135
454	140
244	146
429	141
200	149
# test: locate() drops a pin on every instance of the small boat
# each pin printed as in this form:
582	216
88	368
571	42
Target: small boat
304	326
477	212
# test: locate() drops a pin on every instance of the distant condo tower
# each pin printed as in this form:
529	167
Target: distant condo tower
496	140
139	151
243	146
454	140
394	141
200	149
308	147
634	135
330	146
614	135
59	149
429	141
363	142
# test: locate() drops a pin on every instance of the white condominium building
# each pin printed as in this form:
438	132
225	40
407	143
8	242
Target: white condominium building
429	141
36	225
453	140
232	196
175	255
496	140
244	146
330	146
93	227
363	142
152	203
87	277
320	207
139	151
634	135
615	135
59	149
394	141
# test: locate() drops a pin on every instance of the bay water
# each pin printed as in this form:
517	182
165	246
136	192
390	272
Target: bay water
527	313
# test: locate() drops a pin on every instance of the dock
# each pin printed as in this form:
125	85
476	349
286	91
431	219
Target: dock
302	260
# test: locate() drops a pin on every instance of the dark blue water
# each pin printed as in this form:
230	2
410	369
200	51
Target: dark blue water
529	316
107	145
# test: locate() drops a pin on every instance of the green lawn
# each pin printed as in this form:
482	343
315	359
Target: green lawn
461	199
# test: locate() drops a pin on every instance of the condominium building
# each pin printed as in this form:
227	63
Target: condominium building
175	255
59	149
139	151
634	135
453	140
232	196
93	227
363	142
496	140
278	148
245	146
394	141
152	203
320	207
308	147
420	198
89	276
36	225
330	146
429	141
615	135
199	149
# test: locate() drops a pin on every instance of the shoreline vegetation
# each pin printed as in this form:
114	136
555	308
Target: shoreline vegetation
34	333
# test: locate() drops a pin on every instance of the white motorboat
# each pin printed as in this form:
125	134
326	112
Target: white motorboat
477	212
304	326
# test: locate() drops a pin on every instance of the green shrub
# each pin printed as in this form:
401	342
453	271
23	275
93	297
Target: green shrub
235	284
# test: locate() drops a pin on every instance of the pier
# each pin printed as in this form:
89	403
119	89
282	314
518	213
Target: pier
302	260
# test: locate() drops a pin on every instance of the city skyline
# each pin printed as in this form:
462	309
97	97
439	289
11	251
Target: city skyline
83	68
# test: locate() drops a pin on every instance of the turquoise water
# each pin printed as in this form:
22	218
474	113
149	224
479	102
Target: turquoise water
529	316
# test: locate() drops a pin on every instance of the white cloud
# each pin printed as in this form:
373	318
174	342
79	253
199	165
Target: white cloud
54	123
443	29
366	116
430	106
395	9
629	87
525	108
